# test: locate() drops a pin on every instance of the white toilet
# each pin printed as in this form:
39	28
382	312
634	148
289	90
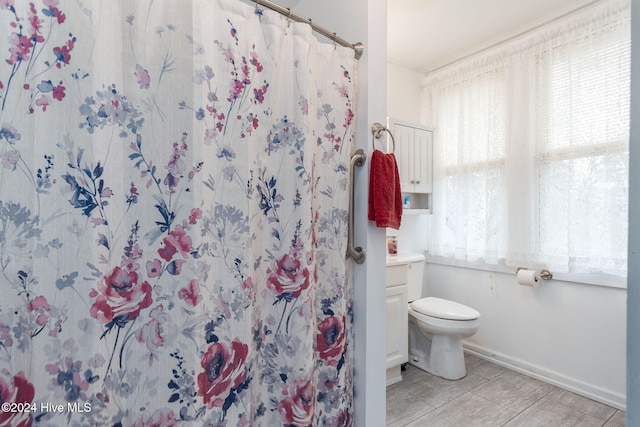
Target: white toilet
436	328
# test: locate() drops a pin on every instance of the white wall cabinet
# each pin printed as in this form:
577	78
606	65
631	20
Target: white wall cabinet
397	341
414	154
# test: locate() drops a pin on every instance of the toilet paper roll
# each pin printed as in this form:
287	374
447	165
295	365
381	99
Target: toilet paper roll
529	278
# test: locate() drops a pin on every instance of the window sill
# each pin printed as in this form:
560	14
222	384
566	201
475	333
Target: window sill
605	280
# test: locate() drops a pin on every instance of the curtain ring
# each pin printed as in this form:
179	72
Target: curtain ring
335	41
257	5
288	16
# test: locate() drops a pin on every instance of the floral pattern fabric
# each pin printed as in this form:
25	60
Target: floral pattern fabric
173	216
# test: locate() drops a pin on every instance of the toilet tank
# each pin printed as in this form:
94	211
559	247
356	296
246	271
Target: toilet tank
415	272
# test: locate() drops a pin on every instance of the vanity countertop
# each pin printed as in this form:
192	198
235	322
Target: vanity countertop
401	259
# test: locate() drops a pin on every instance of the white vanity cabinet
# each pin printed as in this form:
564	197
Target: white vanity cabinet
397	336
414	154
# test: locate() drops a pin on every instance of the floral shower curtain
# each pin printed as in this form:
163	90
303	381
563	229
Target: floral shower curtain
173	216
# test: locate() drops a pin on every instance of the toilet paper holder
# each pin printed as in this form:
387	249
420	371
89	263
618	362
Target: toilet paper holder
544	274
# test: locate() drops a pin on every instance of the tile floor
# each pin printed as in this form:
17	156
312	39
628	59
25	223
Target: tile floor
490	395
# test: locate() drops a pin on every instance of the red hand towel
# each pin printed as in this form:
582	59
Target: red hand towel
385	198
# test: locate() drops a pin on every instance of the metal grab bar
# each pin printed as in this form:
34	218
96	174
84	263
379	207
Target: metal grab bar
355	252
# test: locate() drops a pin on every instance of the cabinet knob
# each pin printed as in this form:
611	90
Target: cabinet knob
413	181
418	182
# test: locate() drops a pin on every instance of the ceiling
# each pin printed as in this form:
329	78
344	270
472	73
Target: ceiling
426	34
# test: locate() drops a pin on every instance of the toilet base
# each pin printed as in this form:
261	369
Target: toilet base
447	361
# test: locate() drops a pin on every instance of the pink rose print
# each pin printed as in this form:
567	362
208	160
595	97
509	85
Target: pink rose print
120	297
10	159
54	11
43	102
342	419
154	268
298	409
248	286
15	389
330	342
143	77
178	238
195	215
224	370
41	307
288	278
255	62
63	53
20	48
176	241
167	251
151	332
58	92
191	295
176	165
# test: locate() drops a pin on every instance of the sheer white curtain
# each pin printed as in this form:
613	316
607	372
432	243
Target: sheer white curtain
531	148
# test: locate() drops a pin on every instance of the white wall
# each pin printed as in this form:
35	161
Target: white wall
570	334
404	93
413	233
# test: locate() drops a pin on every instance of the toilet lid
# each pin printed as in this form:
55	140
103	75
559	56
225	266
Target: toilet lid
444	309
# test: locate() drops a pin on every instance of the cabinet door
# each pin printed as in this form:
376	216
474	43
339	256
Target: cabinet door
414	151
404	138
397	326
423	152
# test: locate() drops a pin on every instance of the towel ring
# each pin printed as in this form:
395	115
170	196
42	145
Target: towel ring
377	131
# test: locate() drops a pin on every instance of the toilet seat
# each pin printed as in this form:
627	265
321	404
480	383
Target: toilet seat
444	309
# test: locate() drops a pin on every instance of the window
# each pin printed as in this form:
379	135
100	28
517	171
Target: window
582	157
473	162
531	164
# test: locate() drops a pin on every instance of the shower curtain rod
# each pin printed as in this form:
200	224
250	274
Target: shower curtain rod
357	47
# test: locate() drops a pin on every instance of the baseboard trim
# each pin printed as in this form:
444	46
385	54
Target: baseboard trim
599	394
394	375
